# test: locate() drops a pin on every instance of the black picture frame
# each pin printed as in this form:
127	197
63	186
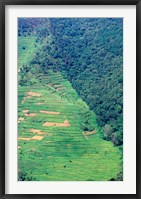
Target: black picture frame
3	3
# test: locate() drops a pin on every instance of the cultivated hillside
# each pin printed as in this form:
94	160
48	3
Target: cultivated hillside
70	99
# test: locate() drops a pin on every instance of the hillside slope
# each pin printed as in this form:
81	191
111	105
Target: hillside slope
58	135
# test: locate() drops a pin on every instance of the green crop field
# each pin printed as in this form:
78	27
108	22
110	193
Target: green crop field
52	145
26	49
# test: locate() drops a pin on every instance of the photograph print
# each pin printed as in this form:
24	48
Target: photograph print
70	99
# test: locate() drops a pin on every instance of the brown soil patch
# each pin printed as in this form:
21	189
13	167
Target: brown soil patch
21	119
27	97
34	94
34	131
57	85
50	112
39	132
25	139
90	132
50	85
87	133
25	111
65	124
36	137
30	114
30	94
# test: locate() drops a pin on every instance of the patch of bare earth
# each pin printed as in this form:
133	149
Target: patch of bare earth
49	85
87	133
50	112
19	147
30	114
57	85
33	94
65	124
30	95
34	131
25	139
25	111
39	132
37	137
20	119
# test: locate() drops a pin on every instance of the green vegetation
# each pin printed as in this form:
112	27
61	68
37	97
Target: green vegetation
26	49
92	53
59	136
64	153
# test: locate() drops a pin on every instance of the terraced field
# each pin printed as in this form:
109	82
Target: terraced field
26	49
51	143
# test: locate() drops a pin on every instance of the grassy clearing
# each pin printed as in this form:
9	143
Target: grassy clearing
63	153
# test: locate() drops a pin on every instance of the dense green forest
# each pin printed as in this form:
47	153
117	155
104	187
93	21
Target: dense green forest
92	54
88	53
